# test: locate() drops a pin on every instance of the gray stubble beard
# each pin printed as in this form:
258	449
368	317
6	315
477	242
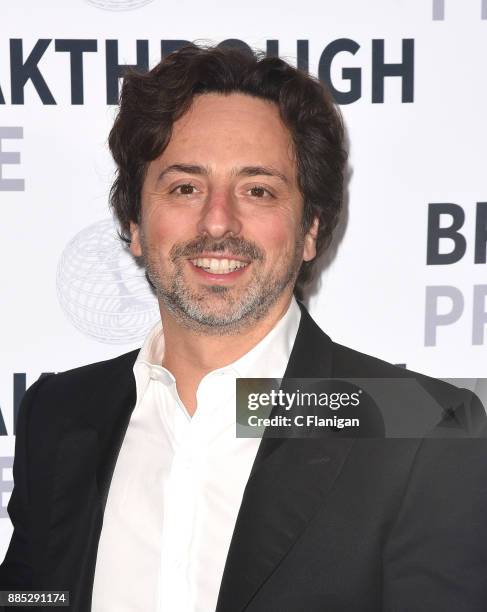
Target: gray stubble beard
257	299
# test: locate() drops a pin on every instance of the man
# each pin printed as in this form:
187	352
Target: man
131	489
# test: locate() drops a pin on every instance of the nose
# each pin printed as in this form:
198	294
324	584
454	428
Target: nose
219	216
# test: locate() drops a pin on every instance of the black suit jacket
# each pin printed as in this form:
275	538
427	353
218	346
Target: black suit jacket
330	524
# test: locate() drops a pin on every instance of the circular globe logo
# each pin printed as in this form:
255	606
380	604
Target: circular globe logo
102	290
118	5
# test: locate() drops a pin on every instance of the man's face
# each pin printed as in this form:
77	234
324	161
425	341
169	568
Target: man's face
220	229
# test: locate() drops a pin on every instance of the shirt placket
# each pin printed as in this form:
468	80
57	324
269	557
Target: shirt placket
180	506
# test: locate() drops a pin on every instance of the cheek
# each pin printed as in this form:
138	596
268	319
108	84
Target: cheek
156	245
279	235
164	227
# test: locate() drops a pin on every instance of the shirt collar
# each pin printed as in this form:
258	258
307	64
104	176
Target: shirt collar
267	359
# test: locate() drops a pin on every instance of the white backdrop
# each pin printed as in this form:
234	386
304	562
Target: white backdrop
71	296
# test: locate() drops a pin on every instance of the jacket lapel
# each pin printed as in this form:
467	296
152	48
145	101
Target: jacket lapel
289	481
86	455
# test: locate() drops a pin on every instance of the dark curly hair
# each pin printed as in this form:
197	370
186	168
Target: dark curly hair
151	102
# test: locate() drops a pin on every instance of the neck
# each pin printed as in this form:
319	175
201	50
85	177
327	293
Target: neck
189	355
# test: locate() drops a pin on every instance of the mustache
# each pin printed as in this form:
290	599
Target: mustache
231	245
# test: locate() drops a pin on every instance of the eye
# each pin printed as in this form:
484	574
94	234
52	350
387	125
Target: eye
259	192
185	189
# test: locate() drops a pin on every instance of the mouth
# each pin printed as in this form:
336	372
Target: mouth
220	265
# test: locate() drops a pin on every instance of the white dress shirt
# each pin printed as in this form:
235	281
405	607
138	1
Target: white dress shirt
178	483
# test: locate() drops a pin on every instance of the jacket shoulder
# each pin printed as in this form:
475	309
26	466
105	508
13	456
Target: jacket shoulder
355	363
352	363
99	368
461	407
89	374
73	392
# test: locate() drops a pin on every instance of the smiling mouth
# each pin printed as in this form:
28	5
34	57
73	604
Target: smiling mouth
219	266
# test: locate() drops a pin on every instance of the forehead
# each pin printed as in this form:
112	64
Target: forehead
233	126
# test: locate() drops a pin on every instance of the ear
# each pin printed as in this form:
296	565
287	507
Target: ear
309	251
135	248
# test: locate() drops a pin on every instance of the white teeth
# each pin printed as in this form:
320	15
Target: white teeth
218	266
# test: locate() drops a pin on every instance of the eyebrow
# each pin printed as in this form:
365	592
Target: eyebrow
260	171
242	171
